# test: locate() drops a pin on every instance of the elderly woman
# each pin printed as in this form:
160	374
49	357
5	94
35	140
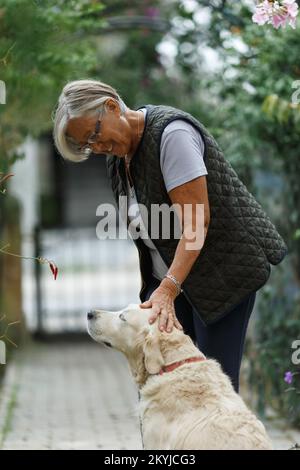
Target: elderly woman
163	155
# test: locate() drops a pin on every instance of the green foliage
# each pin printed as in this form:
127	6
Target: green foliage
269	66
282	111
270	352
42	45
248	104
128	59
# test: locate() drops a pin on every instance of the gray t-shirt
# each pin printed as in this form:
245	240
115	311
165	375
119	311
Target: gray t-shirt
181	160
181	154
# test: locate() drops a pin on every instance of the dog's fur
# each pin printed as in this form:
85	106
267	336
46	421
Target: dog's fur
194	406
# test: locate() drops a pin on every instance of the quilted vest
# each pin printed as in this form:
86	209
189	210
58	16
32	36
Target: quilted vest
241	241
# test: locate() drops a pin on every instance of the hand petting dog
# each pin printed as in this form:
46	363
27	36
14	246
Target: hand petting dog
162	303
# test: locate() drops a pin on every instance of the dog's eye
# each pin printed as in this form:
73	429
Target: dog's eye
121	316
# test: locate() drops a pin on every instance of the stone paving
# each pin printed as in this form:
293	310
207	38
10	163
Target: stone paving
69	396
78	395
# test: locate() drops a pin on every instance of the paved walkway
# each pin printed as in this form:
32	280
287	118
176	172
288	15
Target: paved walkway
69	396
79	395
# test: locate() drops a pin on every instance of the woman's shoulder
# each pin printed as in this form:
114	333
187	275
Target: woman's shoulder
180	124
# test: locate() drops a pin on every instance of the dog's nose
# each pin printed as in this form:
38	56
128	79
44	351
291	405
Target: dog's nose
91	314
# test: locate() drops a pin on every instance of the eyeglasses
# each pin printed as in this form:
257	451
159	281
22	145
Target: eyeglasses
86	148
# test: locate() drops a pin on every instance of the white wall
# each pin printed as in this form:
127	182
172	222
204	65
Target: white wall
25	186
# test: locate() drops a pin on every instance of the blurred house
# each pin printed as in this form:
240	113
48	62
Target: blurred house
59	201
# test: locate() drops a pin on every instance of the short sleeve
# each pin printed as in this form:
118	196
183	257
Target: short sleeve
181	154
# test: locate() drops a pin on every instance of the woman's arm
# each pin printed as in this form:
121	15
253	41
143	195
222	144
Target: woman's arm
162	300
192	193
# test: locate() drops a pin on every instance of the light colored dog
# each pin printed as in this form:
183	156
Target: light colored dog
186	401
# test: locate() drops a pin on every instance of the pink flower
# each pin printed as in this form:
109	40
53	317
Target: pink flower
276	12
292	12
278	20
292	22
260	17
268	6
291	7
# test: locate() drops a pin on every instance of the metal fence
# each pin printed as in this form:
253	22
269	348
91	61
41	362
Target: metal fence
92	273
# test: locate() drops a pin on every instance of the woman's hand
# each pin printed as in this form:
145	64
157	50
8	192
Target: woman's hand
162	303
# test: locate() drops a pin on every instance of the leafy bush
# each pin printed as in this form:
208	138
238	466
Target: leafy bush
270	351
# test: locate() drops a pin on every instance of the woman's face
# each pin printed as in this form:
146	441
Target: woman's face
115	134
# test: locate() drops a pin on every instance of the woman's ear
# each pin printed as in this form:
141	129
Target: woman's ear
112	105
153	358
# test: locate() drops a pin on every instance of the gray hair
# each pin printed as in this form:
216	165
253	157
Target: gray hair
80	98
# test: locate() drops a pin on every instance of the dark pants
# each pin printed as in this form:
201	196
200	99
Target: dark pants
223	340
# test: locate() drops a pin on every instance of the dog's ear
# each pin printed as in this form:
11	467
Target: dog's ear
152	354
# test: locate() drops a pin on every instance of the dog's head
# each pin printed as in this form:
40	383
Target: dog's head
145	346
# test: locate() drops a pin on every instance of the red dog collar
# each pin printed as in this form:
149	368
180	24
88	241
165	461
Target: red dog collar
174	365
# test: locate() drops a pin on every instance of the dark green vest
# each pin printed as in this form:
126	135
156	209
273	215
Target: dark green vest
241	241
